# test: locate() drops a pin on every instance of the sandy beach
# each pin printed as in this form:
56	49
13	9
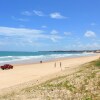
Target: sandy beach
25	73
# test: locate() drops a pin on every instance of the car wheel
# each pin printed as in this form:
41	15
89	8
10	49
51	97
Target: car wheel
2	68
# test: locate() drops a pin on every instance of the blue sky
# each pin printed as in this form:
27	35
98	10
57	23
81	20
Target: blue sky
34	25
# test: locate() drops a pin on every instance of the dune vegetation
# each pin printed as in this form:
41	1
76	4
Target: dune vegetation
81	85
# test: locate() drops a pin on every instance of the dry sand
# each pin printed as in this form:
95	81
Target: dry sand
25	73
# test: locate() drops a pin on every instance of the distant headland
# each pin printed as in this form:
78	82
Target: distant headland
88	51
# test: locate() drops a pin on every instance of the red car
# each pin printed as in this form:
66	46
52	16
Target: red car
6	66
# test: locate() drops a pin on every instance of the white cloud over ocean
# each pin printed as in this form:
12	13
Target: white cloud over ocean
54	32
19	19
25	34
90	34
57	15
53	15
27	13
38	13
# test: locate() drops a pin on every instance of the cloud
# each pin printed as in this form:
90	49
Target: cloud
55	36
90	46
27	13
34	12
57	15
2	43
87	46
95	45
25	35
90	34
44	26
9	31
38	13
54	32
67	33
19	19
54	15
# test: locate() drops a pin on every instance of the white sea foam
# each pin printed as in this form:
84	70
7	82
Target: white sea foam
8	59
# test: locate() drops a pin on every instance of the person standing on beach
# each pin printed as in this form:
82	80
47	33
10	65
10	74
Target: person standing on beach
55	64
60	65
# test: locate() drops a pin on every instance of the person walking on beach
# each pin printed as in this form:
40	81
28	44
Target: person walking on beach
55	64
60	65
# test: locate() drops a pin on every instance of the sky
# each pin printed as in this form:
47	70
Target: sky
44	25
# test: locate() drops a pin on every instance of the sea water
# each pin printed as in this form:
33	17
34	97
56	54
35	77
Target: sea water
12	57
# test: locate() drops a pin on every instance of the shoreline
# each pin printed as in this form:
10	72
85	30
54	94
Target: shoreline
53	60
41	71
33	60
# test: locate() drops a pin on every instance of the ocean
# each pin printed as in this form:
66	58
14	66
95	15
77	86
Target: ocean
35	57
